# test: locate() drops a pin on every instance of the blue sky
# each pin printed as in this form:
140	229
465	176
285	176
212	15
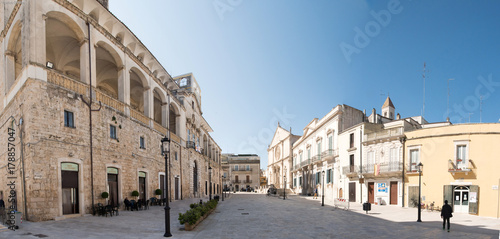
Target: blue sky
259	61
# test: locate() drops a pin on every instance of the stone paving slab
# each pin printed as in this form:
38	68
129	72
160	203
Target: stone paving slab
248	215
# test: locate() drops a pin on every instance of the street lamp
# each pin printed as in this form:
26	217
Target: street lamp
420	166
284	190
323	188
223	179
165	150
209	181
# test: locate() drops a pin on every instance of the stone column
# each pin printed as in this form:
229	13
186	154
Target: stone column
148	102
84	61
122	84
164	114
10	66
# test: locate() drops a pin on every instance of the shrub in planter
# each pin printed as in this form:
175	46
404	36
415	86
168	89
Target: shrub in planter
105	195
196	212
158	192
135	194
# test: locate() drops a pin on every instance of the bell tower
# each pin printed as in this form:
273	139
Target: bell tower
388	109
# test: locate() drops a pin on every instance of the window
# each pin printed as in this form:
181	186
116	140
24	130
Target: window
141	142
329	176
319	148
414	159
461	156
351	163
112	131
235	167
248	167
351	140
300	157
300	181
371	159
318	178
294	182
309	153
330	142
68	119
192	105
175	155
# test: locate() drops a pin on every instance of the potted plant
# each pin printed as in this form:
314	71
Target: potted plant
158	192
105	195
135	194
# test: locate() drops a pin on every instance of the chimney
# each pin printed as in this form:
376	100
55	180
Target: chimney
398	116
374	114
104	3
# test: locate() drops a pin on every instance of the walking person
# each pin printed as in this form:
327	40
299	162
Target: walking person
315	193
446	214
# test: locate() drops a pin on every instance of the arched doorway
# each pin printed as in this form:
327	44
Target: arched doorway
340	193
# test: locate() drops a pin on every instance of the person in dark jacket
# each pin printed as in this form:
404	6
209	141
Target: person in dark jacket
446	214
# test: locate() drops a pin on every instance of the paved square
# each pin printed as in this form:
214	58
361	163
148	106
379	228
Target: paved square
246	215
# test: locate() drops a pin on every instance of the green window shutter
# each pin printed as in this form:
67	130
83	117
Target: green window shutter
474	206
448	194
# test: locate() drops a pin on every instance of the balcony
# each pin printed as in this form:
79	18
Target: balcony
351	170
247	181
316	159
296	166
384	134
383	169
190	144
236	181
305	163
458	167
329	155
242	169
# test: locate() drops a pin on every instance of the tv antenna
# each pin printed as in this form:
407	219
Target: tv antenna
480	109
423	75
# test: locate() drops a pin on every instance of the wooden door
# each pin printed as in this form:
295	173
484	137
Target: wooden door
176	188
413	196
371	195
394	193
162	187
352	192
113	189
142	188
70	192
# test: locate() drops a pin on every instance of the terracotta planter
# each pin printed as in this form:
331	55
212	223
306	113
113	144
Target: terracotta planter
189	227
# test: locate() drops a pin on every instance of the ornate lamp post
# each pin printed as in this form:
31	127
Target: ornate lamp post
420	166
209	181
323	188
284	190
165	150
223	188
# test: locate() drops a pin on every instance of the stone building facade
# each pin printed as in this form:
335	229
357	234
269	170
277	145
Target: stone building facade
60	57
279	154
243	171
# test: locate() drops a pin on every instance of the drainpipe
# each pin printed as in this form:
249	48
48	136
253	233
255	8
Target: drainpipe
403	141
24	172
180	163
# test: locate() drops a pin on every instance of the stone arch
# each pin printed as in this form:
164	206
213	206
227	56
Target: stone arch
108	69
138	85
14	55
173	116
158	101
63	43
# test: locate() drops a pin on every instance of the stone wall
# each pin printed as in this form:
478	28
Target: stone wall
48	143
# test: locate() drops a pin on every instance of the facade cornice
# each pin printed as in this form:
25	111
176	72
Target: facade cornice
299	141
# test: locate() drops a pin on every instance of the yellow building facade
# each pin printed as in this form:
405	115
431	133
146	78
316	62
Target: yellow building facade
460	164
